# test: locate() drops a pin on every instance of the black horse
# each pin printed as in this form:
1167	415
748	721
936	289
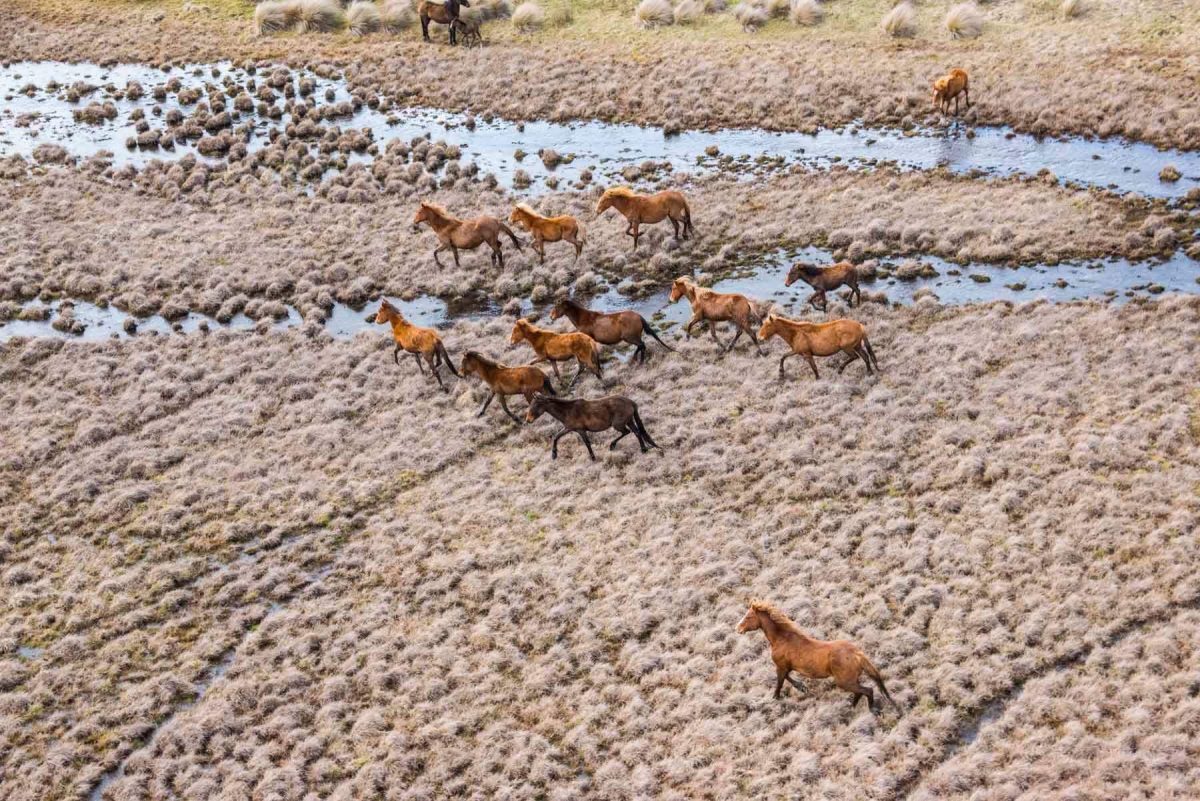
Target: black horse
444	13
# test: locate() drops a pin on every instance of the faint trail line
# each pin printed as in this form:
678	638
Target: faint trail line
994	707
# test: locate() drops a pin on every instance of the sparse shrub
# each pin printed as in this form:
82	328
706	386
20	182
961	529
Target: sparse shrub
320	16
751	16
1169	173
654	13
363	17
806	12
964	21
1071	8
529	17
901	21
397	15
688	11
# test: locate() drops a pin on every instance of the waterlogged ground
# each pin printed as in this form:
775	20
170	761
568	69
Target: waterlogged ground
45	99
280	566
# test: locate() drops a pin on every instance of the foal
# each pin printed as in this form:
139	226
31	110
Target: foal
609	328
415	340
793	650
582	416
825	279
564	228
949	87
714	307
454	233
820	339
638	209
503	381
553	347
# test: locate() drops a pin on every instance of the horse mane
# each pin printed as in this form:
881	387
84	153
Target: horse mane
438	209
776	615
618	191
574	304
809	269
525	207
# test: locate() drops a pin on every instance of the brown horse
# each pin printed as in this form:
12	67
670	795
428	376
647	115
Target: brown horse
503	381
608	328
825	279
415	340
649	209
714	307
553	347
548	229
582	416
454	233
820	339
793	650
949	87
444	12
471	31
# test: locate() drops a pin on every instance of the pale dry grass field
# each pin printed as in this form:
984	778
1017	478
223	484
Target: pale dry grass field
140	241
1121	68
407	602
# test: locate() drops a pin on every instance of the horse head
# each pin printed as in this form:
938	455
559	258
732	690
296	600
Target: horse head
798	271
536	407
386	312
769	328
520	329
750	621
679	288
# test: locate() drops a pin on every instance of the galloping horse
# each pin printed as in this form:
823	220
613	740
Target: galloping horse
503	381
714	307
415	340
582	416
825	279
553	347
608	328
444	12
649	209
949	87
548	229
793	650
454	233
820	339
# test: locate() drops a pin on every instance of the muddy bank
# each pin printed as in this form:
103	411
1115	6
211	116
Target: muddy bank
129	242
1125	79
305	125
983	511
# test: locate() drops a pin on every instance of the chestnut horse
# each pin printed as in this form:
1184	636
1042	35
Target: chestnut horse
714	307
949	87
582	416
503	381
793	650
415	340
454	233
553	347
608	328
548	229
649	209
444	12
825	279
820	339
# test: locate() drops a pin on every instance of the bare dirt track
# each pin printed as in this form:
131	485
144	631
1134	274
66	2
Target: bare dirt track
408	602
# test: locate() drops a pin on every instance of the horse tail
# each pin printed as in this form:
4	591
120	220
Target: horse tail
441	351
511	235
637	421
648	330
547	387
870	352
596	357
687	217
877	677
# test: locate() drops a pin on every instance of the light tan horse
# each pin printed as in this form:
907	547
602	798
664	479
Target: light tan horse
553	347
454	233
715	307
820	339
949	87
416	340
793	650
648	209
564	228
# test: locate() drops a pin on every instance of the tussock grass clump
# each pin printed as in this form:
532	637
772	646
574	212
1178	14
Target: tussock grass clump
276	16
901	21
529	17
320	16
490	9
654	13
964	21
397	15
751	16
363	17
559	14
1071	8
806	12
688	12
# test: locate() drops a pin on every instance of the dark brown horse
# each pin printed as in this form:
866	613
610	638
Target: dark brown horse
608	328
444	12
582	416
825	279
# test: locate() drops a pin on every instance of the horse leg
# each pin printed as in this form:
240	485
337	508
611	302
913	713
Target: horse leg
433	369
780	675
750	332
856	296
498	250
862	354
578	373
781	361
813	364
417	359
583	435
640	353
486	401
554	442
396	355
796	683
870	695
554	367
733	341
967	93
454	250
675	225
853	352
438	250
425	27
539	245
507	411
612	446
578	248
687	329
